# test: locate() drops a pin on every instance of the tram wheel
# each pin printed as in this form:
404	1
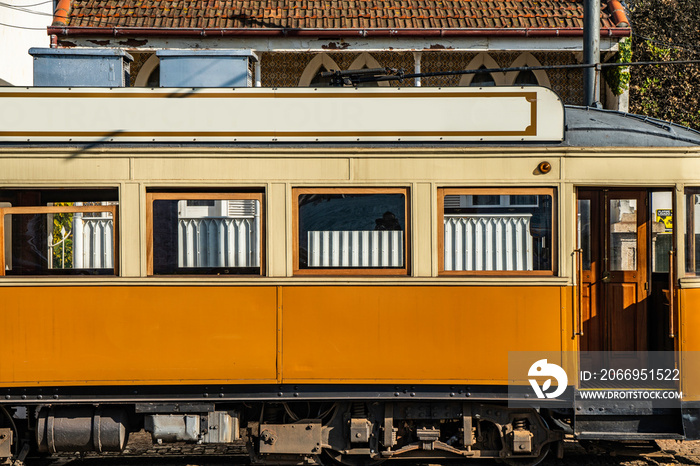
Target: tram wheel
6	421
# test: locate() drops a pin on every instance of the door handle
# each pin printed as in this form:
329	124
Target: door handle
671	328
579	293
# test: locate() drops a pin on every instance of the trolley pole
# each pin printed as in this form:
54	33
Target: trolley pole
591	52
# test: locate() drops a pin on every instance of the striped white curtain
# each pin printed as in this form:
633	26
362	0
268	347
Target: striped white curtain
218	242
488	242
367	248
93	242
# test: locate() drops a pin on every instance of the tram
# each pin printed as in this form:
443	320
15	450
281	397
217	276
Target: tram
342	275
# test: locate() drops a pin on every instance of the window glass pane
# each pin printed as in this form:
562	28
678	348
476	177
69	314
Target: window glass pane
8	237
154	78
692	243
526	78
351	230
523	200
661	230
623	234
206	236
482	79
468	200
200	203
59	231
484	200
495	236
59	243
584	232
320	81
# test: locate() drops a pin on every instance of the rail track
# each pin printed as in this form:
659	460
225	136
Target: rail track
141	451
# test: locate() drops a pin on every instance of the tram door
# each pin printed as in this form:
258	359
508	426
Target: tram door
625	237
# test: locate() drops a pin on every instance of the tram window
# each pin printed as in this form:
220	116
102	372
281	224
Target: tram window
512	233
205	233
584	232
623	240
482	79
692	236
58	231
7	237
493	200
661	230
350	231
526	78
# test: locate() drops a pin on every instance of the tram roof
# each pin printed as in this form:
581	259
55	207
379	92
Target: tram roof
591	127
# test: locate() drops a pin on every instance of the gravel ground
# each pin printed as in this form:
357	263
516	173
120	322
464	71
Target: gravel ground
140	451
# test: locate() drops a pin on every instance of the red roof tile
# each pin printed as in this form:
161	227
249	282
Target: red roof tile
325	14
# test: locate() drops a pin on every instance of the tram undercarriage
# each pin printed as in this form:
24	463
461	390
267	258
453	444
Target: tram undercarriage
351	432
357	433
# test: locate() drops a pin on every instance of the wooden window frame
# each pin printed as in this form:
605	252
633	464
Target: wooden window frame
442	192
60	210
364	271
151	197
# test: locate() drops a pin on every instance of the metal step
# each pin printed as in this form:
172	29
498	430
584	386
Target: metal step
628	436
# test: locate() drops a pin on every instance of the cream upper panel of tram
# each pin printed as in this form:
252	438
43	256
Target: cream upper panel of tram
269	115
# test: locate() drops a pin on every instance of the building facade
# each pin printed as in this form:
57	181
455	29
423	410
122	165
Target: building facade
295	41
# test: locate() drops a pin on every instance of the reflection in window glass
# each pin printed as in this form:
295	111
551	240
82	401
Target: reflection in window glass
523	200
510	233
584	232
623	234
483	200
351	230
200	203
63	243
692	240
63	231
504	201
661	230
206	236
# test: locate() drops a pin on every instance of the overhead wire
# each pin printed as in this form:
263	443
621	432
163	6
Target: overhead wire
24	10
392	74
33	4
22	27
689	48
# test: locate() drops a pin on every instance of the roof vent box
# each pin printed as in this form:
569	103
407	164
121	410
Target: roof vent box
206	68
81	67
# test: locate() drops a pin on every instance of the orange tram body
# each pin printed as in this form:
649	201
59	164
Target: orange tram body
354	284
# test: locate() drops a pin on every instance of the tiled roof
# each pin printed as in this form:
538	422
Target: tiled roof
330	14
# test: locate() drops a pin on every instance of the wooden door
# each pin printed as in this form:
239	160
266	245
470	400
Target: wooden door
589	241
624	275
613	240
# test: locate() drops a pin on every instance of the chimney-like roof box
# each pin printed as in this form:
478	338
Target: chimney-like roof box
205	67
81	67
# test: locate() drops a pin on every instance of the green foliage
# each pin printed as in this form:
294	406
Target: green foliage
658	53
666	30
62	251
618	77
